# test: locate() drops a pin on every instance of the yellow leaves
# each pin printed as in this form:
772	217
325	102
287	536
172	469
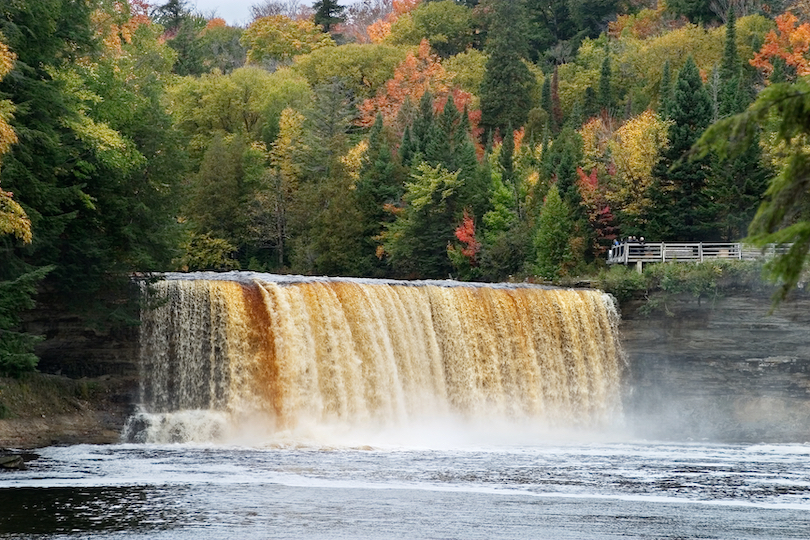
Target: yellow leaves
627	154
7	135
6	59
430	182
13	219
353	160
280	38
117	23
289	145
378	31
643	60
638	144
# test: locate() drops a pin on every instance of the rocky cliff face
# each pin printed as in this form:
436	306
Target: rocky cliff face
723	369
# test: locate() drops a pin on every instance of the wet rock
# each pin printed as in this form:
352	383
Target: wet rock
728	370
15	461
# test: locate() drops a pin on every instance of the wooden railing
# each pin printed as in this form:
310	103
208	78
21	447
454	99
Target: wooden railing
647	252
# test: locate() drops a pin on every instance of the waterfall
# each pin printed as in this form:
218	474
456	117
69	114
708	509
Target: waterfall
217	348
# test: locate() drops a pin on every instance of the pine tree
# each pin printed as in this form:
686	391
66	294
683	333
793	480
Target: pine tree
407	149
381	182
507	85
328	13
590	105
665	92
679	204
556	107
560	163
605	97
737	183
545	96
552	237
731	96
422	126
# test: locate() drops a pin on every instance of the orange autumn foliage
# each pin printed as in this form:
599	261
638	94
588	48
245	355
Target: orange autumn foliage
117	28
465	232
791	43
412	78
380	29
416	75
216	22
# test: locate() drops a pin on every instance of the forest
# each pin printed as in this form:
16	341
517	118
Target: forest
490	141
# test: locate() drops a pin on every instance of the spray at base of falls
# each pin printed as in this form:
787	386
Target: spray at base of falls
268	357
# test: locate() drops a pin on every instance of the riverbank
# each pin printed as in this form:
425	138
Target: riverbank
43	410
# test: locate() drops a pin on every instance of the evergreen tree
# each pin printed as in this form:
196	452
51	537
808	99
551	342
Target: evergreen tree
17	348
407	149
560	162
327	222
549	24
731	98
472	193
552	237
734	191
506	156
737	183
171	14
545	96
590	105
380	184
665	92
556	107
605	97
679	204
416	242
422	125
507	85
697	11
328	13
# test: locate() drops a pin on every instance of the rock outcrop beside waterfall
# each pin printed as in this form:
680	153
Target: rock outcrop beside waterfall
723	369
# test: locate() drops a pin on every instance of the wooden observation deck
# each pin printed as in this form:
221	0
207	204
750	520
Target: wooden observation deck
639	253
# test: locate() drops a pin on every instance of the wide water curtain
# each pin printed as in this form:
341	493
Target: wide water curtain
381	352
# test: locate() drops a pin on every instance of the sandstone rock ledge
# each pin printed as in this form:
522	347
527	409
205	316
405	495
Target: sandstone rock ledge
43	410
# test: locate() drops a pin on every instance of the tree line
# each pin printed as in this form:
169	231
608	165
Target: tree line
491	140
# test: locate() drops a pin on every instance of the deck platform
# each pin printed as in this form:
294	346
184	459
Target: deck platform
638	253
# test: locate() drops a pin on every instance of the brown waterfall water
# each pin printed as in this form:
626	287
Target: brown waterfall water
222	354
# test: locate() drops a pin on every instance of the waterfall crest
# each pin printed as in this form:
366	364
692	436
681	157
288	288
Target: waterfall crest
366	352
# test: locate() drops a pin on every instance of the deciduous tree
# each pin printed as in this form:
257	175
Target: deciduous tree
278	38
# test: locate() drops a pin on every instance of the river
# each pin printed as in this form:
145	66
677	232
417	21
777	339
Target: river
560	490
329	409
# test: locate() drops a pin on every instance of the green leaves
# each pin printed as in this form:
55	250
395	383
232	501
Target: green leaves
17	348
432	187
552	237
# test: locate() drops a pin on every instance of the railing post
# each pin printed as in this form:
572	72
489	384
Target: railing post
663	252
700	251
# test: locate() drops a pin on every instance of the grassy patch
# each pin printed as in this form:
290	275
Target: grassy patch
661	283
